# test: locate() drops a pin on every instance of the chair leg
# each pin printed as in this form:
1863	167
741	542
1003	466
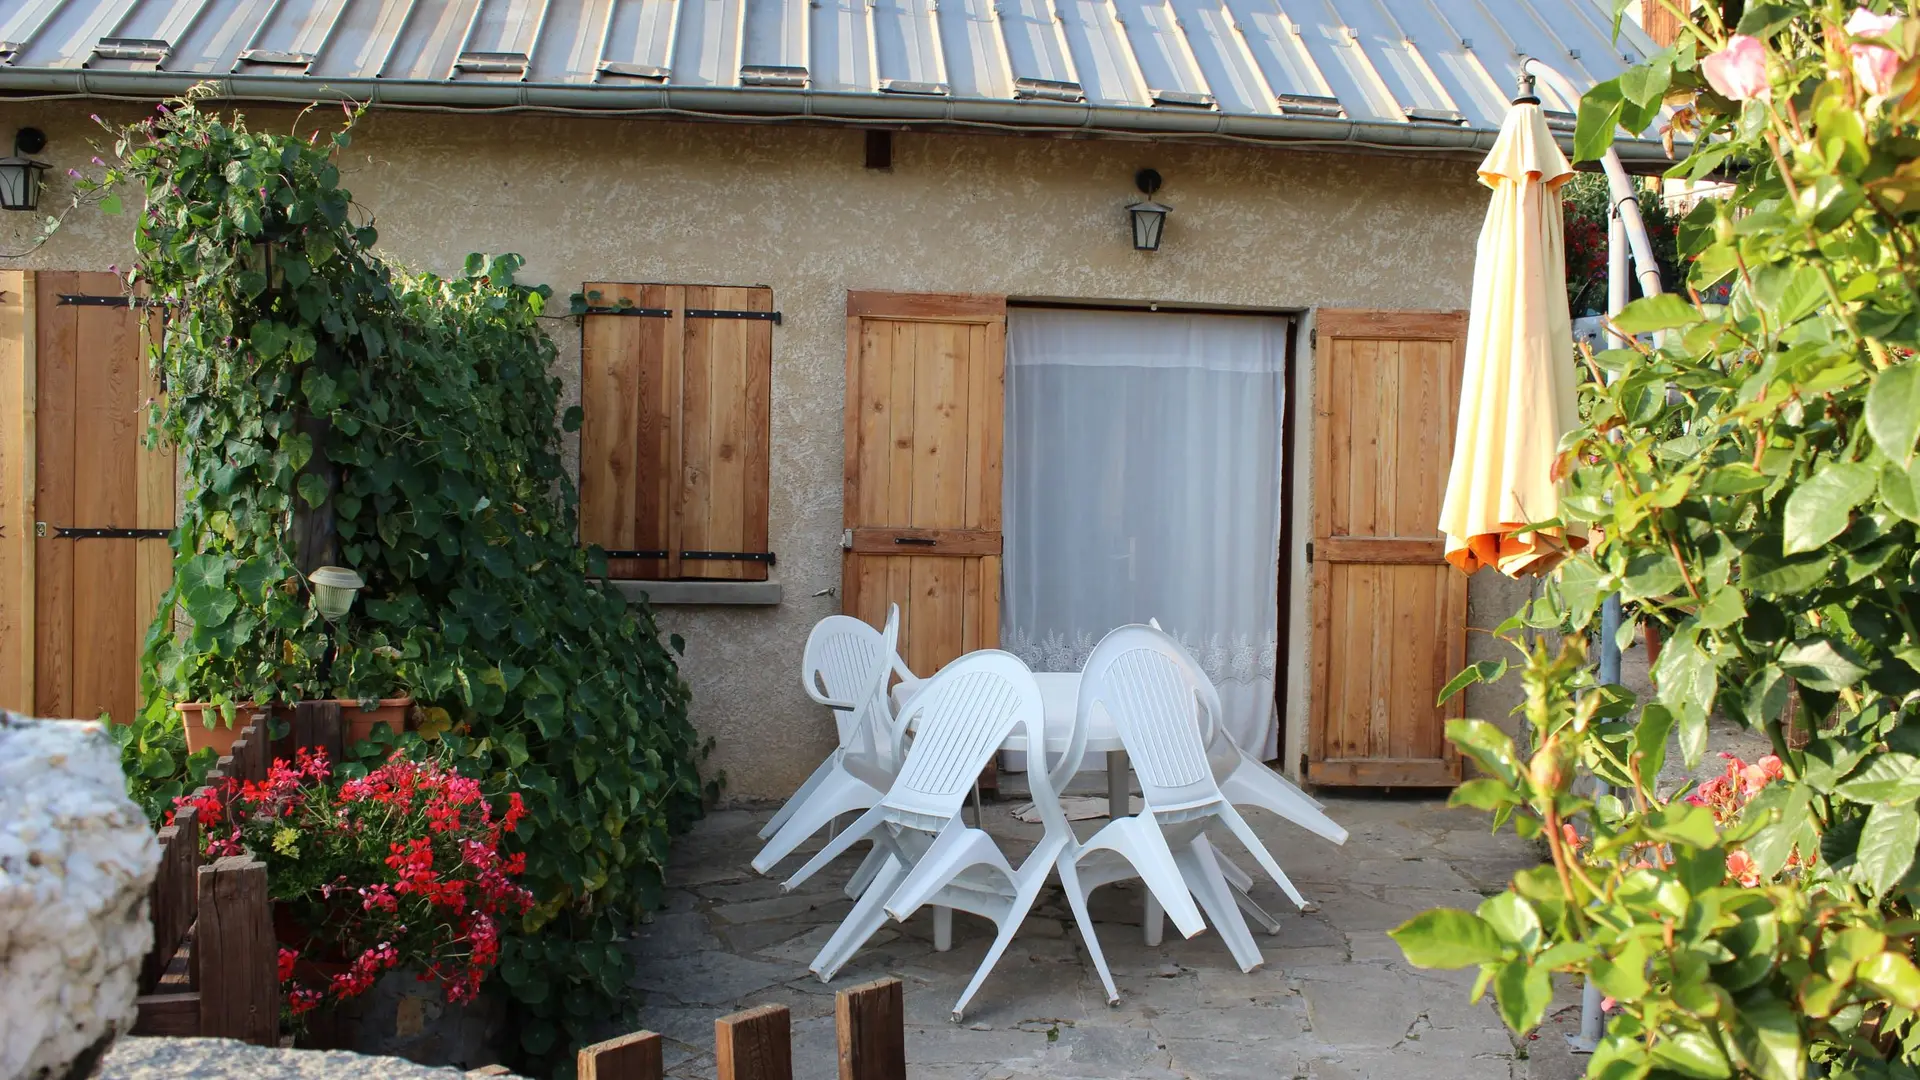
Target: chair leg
863	876
1016	914
867	917
1203	877
1077	899
1247	838
1139	841
836	847
800	797
1240	881
839	794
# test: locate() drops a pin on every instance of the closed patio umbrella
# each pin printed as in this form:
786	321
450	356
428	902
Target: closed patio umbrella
1517	390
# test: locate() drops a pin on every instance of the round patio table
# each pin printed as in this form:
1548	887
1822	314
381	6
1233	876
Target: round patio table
1060	693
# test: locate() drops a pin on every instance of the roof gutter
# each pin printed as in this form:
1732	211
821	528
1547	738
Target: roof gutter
792	104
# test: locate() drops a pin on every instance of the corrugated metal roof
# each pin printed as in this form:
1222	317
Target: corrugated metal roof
1435	72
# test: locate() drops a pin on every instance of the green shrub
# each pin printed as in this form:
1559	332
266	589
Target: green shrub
303	378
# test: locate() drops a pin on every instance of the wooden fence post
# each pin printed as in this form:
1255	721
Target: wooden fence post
629	1057
235	953
172	897
316	726
870	1022
754	1045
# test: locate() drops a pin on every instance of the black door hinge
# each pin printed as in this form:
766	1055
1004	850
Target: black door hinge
1309	553
736	556
709	313
61	532
1313	338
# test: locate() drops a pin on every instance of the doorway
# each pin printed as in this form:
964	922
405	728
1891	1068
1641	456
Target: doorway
1144	461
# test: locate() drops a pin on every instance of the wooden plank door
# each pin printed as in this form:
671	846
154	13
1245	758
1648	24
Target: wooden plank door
88	601
1389	613
925	421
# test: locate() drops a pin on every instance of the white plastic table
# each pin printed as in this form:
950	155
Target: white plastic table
1060	693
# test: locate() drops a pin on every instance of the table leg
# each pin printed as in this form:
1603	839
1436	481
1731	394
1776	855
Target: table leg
942	929
1119	785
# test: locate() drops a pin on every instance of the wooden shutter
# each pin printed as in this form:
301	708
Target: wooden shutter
674	460
925	377
74	387
1389	613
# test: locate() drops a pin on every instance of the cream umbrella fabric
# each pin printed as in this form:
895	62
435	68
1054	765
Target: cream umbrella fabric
1517	390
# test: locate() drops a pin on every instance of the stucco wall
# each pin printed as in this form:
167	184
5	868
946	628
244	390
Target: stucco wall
795	209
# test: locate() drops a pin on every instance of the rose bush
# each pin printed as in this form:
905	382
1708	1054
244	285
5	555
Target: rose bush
400	868
1754	487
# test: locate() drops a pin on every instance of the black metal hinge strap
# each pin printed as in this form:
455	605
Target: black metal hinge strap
736	556
633	312
925	541
61	532
90	300
623	554
708	313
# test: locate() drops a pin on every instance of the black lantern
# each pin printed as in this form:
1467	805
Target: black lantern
20	176
1148	217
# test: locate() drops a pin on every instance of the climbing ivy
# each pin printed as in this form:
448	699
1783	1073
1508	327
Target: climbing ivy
306	379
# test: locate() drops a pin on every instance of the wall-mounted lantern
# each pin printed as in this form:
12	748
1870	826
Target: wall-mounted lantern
20	176
1148	217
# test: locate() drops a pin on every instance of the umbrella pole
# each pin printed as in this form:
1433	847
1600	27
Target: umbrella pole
1592	1016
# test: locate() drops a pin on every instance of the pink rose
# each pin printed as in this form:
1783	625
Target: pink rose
1739	71
1873	65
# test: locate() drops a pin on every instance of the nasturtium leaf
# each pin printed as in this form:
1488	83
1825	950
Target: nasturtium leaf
1821	507
1447	938
202	584
1887	844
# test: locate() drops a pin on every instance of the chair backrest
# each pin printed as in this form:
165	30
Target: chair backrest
1222	751
845	668
1153	691
959	719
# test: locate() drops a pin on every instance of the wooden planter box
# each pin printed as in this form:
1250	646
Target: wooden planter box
359	723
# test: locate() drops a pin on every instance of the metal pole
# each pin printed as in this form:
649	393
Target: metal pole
1592	1017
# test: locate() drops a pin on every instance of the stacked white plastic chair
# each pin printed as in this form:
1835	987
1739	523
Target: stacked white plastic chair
1155	694
846	668
959	720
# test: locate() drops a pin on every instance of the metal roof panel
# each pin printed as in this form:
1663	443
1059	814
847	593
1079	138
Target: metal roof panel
1376	66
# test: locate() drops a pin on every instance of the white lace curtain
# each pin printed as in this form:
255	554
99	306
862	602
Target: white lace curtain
1143	481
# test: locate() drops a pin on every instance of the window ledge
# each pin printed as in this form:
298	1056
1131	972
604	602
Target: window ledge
747	593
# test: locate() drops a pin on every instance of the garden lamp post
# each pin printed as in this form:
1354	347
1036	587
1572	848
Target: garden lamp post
334	589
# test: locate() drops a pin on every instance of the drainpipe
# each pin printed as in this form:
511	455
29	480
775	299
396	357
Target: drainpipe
1626	236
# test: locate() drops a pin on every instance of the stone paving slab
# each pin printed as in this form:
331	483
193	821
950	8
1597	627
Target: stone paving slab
1334	999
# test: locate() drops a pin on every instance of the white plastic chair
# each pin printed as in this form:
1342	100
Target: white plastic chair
1246	781
845	667
959	719
1156	696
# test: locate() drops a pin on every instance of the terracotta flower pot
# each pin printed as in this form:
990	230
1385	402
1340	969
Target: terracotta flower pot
193	716
391	712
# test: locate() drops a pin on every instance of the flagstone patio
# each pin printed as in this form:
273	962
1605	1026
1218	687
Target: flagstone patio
1335	998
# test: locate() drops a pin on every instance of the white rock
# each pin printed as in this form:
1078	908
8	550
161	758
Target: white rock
77	857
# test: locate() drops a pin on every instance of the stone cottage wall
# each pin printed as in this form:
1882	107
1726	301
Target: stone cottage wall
794	208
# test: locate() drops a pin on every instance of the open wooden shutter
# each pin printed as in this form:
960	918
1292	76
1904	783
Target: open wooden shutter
674	461
1389	613
84	507
925	378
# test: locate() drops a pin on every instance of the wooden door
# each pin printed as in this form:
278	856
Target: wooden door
1389	613
76	605
925	378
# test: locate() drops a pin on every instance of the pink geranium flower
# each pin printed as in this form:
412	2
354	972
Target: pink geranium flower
1873	65
1739	71
1742	868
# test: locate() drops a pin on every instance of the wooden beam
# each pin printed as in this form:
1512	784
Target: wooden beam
871	540
870	1022
754	1045
173	1015
1361	549
629	1057
235	952
17	459
1396	325
932	307
1385	772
